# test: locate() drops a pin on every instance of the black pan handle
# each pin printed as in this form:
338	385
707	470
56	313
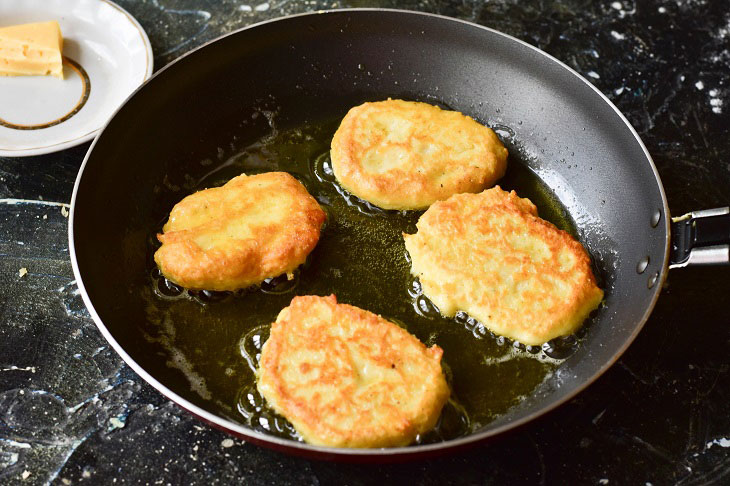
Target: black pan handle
701	238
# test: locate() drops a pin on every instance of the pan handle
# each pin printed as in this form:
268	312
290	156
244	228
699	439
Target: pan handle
701	238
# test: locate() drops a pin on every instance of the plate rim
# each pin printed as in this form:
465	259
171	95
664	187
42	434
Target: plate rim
62	145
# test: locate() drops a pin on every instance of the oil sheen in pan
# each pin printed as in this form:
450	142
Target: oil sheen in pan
215	338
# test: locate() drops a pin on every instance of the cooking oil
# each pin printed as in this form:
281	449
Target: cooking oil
216	337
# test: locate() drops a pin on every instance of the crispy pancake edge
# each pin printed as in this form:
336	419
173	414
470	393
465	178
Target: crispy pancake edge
273	249
563	320
418	187
396	346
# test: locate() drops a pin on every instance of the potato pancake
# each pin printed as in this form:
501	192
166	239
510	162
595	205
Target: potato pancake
345	377
237	235
406	155
491	256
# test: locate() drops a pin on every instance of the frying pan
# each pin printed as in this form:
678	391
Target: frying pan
294	71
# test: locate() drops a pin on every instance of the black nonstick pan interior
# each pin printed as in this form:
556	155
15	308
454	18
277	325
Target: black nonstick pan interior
272	94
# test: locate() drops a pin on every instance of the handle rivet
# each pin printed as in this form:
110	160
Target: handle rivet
641	266
655	218
652	280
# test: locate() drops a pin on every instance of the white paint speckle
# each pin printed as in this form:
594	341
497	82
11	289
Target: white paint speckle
724	31
15	368
700	85
115	423
603	481
617	5
662	10
617	35
22	272
594	75
715	101
722	442
25	474
227	443
245	8
64	211
618	91
262	7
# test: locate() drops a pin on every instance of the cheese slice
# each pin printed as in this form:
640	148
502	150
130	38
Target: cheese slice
31	49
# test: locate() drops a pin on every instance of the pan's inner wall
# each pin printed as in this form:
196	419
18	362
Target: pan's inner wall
308	68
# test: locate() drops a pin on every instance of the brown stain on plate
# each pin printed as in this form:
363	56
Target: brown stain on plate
85	91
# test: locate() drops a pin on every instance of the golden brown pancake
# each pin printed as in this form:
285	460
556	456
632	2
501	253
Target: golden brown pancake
345	377
406	155
230	237
490	255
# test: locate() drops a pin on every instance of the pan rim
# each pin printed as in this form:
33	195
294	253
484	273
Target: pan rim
416	450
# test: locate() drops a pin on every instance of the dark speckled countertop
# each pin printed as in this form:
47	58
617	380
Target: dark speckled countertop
72	413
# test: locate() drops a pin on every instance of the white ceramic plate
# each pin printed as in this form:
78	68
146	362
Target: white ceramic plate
107	55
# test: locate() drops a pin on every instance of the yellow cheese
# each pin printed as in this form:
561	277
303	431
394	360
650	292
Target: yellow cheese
31	49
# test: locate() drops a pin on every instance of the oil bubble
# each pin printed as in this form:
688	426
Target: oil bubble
251	344
415	289
250	402
560	348
425	308
282	284
167	288
452	423
208	296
